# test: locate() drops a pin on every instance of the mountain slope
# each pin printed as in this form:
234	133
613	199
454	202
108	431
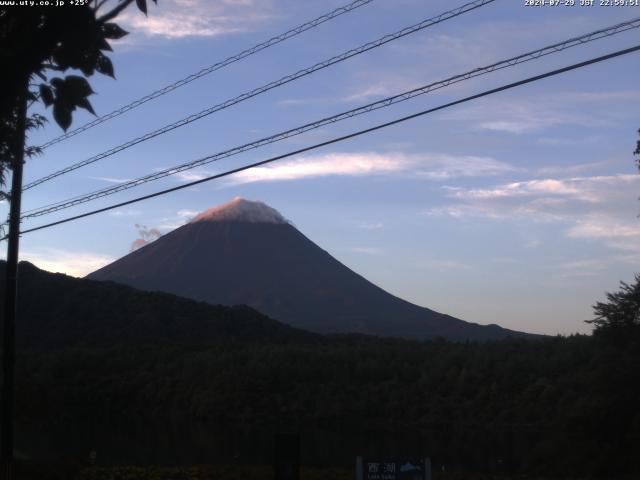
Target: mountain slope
57	311
247	253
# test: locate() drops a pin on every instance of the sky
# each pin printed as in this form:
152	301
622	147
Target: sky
520	208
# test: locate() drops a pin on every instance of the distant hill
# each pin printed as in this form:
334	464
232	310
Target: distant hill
245	252
57	311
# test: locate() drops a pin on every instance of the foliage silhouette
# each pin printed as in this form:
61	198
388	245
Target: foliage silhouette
38	41
100	353
622	311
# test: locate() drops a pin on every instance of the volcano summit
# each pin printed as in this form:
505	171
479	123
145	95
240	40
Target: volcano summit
245	252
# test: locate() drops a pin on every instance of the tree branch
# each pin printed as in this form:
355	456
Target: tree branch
114	12
99	4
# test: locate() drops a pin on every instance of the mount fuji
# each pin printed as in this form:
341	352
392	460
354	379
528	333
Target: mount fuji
245	252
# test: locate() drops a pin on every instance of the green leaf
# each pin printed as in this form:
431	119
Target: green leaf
104	65
142	5
113	31
46	94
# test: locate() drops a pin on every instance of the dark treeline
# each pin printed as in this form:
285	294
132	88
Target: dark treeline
564	406
569	404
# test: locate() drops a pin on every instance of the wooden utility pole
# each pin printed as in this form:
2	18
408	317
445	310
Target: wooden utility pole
10	292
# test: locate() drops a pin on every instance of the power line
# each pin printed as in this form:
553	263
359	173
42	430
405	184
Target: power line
535	54
345	137
267	87
212	68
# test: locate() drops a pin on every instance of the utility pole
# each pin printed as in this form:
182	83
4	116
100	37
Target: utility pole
11	290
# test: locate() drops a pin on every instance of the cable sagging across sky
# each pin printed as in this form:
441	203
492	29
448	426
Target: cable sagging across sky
210	69
267	87
345	137
383	103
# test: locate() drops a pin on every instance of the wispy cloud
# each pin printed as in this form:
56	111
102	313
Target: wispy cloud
505	260
524	116
385	87
486	42
175	19
592	208
110	179
588	189
76	264
570	142
124	213
187	213
370	225
442	265
582	264
367	250
146	236
533	243
300	102
590	267
572	169
606	96
193	175
604	226
436	167
547	112
341	164
443	167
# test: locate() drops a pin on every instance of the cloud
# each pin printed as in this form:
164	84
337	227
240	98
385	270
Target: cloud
429	166
193	175
587	189
391	85
168	224
505	260
572	169
533	243
443	265
599	208
76	264
111	179
174	19
442	167
607	96
123	213
147	235
524	116
299	102
589	267
332	164
571	142
547	112
370	225
603	226
487	41
581	264
367	250
188	214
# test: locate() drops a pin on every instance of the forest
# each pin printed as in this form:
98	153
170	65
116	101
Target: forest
560	407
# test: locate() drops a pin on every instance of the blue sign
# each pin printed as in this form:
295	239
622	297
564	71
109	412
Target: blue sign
369	469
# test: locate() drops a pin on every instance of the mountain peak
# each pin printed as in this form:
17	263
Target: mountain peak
241	210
